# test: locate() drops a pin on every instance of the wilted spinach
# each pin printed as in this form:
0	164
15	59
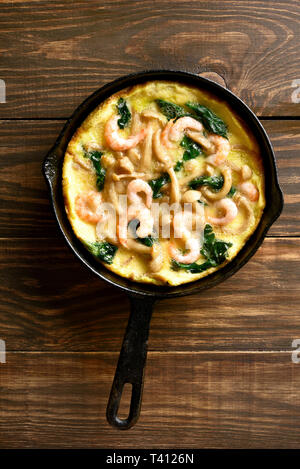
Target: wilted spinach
147	241
95	157
210	120
178	165
231	192
125	114
192	149
103	250
193	268
214	182
171	110
214	250
157	184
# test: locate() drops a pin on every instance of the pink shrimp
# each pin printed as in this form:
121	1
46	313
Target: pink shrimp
88	206
138	209
135	187
220	151
118	143
229	209
143	215
160	151
193	245
250	190
165	135
181	125
122	234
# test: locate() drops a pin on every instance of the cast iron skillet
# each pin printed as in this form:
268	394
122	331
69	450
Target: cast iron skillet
131	364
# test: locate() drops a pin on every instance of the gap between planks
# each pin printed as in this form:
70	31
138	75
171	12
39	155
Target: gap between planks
155	352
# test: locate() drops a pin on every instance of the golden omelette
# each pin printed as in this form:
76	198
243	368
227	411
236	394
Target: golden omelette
163	183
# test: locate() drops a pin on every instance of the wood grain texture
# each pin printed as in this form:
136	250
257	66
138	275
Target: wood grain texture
201	401
56	53
24	203
285	138
49	301
219	372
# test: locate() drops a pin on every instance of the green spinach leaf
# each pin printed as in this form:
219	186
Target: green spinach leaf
192	149
171	110
147	241
125	114
215	182
95	157
103	250
214	250
193	268
231	192
178	165
210	120
157	184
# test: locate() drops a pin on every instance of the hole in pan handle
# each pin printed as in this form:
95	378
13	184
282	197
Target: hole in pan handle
131	363
50	167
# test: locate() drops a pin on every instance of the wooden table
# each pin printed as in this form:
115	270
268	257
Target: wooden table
219	372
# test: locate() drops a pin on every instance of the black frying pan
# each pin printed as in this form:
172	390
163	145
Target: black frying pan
131	364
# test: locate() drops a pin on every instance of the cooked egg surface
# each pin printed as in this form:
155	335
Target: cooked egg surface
136	154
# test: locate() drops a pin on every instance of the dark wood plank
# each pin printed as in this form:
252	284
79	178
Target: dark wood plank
285	137
24	207
202	400
24	203
54	54
49	301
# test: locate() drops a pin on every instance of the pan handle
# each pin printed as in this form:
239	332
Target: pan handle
131	364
